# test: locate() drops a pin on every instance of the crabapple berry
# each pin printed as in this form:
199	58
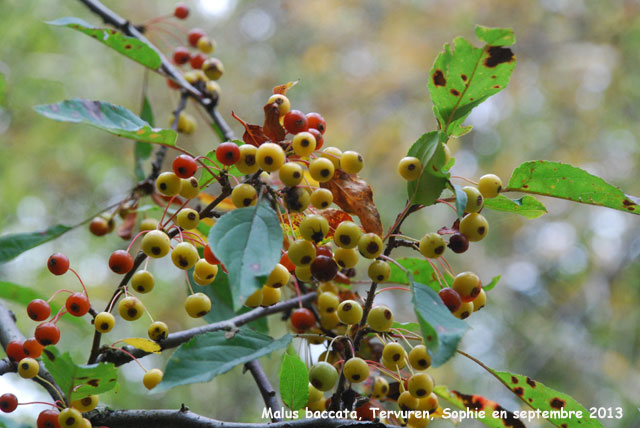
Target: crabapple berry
346	258
419	358
181	55
314	228
270	296
204	272
468	286
406	401
328	302
323	376
324	268
278	277
228	153
356	370
465	309
318	136
86	404
48	419
302	252
197	305
254	300
15	350
181	11
213	68
244	195
270	157
284	105
47	333
156	244
142	281
291	174
302	319
350	312
99	226
474	226
120	262
247	163
379	271
194	35
197	60
206	45
104	322
432	245
70	418
297	199
158	330
347	235
333	154
314	394
370	245
410	168
458	243
152	378
32	348
490	185
429	403
475	200
321	169
351	162
380	318
316	121
450	298
130	308
184	166
295	121
304	143
188	218
380	388
58	264
148	224
28	368
303	273
394	353
480	301
78	304
38	310
329	320
189	188
184	256
8	402
168	184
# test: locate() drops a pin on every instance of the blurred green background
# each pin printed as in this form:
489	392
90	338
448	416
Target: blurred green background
566	311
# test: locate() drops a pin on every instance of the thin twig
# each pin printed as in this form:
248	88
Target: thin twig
266	390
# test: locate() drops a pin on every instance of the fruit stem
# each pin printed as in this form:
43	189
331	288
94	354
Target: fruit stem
134	239
193	237
392	288
60	313
465	179
408	238
442	201
449	270
389	259
298	293
37	402
86	293
164	213
383	369
63	290
58	393
184	204
437	272
188	283
129	354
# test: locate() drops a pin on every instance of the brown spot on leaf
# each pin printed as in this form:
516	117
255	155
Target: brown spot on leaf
519	391
49	355
438	78
531	382
128	46
496	86
557	403
455	92
463	77
498	55
94	382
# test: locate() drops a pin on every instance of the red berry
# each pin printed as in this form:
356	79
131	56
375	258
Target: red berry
181	55
295	121
58	264
450	298
228	153
316	121
181	11
197	60
209	256
365	412
48	419
172	84
324	268
120	261
185	166
15	350
458	243
324	250
302	319
194	35
99	226
32	348
318	136
8	402
47	334
38	310
78	304
286	262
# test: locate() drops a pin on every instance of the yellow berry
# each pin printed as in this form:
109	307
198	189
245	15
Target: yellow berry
213	68
323	376
189	187
158	331
321	198
321	169
168	184
419	358
86	404
197	305
205	272
142	281
303	273
465	309
291	174
432	245
346	258
184	256
468	286
152	378
474	199
351	162
394	354
328	302
206	45
284	105
255	299
380	318
314	228
350	312
244	195
428	403
148	224
380	388
329	320
28	368
347	235
270	295
270	157
70	418
195	76
188	218
314	394
297	199
420	385
356	370
130	308
333	154
247	163
490	185
304	143
302	252
410	168
278	277
480	301
213	88
474	226
156	244
406	401
104	322
370	245
379	271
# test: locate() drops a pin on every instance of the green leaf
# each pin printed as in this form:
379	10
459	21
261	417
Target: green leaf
539	396
441	331
428	187
461	200
82	380
294	381
219	291
130	47
142	150
480	404
420	270
493	283
248	242
112	118
560	180
212	161
24	295
464	77
208	355
3	89
411	326
15	244
527	206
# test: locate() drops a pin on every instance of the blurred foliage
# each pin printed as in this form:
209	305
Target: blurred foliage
566	311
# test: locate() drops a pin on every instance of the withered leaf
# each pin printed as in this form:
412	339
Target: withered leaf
355	197
334	217
125	230
272	127
282	89
253	134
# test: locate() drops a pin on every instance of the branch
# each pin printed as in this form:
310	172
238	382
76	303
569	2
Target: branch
266	390
178	338
185	419
9	332
167	68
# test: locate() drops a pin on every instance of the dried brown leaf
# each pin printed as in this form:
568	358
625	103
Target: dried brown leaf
272	127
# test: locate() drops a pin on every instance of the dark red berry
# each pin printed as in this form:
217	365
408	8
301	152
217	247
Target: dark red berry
324	250
78	304
365	412
324	268
302	319
295	121
32	348
185	166
172	84
120	262
15	350
38	310
194	35
48	419
450	298
197	60
181	55
99	226
8	402
181	11
47	334
458	243
228	153
316	121
58	264
319	137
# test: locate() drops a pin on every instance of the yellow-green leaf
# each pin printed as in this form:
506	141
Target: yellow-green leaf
143	344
